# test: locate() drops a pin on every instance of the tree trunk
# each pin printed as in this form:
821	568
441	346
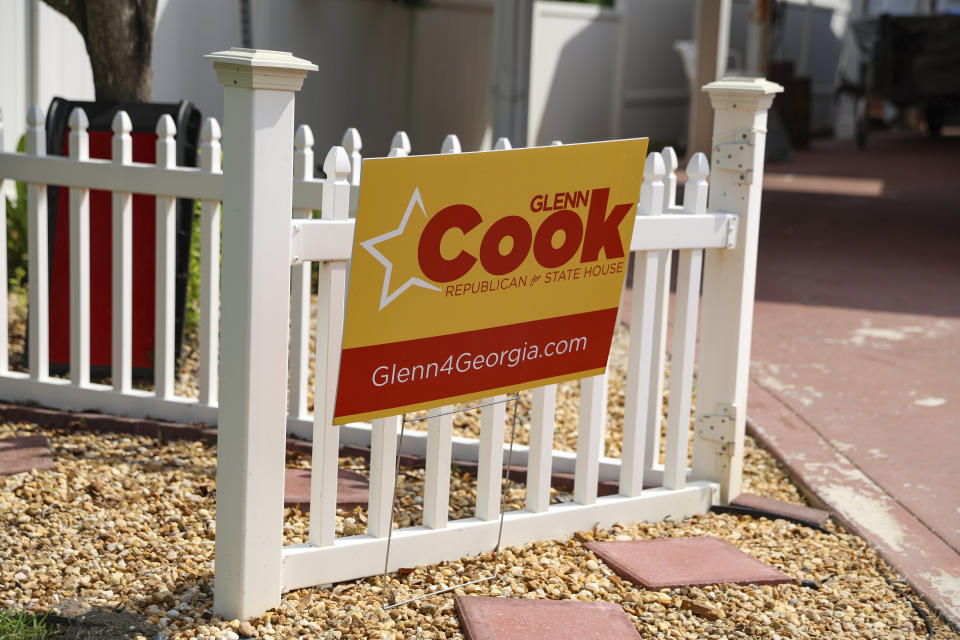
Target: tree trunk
119	38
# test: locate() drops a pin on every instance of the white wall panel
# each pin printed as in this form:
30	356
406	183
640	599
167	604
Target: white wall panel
572	74
63	68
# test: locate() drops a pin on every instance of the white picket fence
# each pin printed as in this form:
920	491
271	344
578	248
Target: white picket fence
268	195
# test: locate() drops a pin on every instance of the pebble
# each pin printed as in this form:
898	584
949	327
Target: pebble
703	609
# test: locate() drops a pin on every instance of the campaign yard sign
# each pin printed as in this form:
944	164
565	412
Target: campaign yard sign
479	273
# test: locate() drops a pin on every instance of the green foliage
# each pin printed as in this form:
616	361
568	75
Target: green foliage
17	231
20	625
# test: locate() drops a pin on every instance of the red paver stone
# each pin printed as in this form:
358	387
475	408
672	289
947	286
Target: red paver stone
484	618
780	508
667	563
23	454
353	489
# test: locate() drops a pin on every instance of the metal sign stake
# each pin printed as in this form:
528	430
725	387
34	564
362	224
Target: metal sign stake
390	596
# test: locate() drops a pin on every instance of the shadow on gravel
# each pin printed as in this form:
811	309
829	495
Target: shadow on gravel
79	621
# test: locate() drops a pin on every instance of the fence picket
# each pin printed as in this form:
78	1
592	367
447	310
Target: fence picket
331	299
38	265
401	141
642	323
436	480
209	330
79	142
539	462
658	362
670	181
300	286
689	267
451	144
352	144
383	456
323	485
593	413
490	457
4	311
164	358
122	244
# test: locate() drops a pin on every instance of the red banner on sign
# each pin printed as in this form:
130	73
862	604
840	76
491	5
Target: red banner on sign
380	378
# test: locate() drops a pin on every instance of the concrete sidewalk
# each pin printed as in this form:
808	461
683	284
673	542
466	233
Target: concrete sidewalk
855	377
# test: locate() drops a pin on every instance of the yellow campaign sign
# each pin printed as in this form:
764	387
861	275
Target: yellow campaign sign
478	273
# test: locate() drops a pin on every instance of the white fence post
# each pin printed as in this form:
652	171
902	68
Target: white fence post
739	137
259	89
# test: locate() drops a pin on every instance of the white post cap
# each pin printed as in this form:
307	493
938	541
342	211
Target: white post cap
757	93
260	69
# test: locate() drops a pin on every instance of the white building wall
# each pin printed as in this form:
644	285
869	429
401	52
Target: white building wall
574	73
451	75
62	66
384	67
363	50
656	91
186	31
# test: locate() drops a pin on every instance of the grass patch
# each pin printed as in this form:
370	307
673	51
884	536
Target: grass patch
20	625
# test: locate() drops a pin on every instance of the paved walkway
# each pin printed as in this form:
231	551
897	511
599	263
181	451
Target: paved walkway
855	379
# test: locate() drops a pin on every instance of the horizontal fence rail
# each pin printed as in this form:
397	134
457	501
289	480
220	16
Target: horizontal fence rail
176	182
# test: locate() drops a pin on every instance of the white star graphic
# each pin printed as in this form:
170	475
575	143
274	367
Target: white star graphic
370	245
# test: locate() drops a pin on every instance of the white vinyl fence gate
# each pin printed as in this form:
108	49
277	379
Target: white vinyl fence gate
261	295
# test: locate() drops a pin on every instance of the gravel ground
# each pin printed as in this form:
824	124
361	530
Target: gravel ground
126	525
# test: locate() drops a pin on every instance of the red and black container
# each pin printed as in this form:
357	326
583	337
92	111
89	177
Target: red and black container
144	119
